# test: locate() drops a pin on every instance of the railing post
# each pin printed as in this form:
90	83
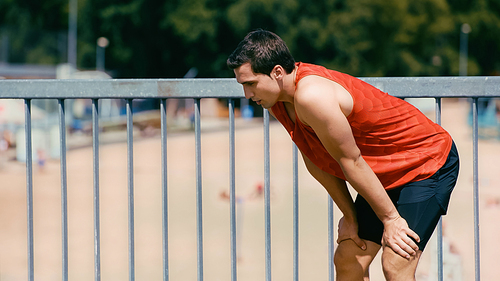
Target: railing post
295	213
29	188
163	113
97	227
130	172
64	189
440	223
232	191
476	188
197	131
331	242
267	195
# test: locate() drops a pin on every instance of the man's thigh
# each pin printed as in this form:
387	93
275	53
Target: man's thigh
420	203
422	217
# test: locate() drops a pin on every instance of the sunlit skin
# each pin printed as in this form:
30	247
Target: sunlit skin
263	89
324	106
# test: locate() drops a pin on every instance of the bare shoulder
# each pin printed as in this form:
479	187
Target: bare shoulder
314	92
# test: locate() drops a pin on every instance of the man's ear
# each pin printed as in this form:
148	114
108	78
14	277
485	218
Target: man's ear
278	72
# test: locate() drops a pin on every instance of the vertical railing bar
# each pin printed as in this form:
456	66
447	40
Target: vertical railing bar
476	188
97	229
130	172
440	223
199	209
95	129
64	189
163	109
232	190
331	249
29	188
267	193
295	213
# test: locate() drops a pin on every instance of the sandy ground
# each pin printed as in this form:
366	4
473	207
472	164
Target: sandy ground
313	259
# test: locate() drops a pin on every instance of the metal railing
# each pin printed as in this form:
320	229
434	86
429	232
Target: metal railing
163	89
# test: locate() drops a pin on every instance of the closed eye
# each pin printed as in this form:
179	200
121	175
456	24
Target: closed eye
249	83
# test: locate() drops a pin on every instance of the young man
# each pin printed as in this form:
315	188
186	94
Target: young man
402	165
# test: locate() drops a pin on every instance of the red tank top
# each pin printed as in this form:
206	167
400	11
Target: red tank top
397	141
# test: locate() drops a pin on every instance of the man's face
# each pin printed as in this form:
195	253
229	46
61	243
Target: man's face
259	87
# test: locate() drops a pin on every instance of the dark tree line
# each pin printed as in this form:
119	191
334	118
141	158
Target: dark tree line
163	39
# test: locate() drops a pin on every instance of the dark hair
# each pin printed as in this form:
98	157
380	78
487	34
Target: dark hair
263	50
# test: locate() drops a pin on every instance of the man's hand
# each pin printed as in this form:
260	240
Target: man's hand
348	229
397	236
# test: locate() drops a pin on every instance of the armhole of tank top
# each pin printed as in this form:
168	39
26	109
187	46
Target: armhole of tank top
334	81
349	92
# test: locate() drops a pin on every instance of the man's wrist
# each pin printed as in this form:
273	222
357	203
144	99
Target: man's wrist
350	217
390	218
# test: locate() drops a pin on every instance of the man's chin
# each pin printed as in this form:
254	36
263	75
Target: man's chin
266	106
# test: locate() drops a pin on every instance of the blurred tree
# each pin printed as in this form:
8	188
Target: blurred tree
33	30
391	38
165	39
484	41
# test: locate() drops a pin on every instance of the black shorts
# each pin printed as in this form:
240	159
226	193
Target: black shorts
420	203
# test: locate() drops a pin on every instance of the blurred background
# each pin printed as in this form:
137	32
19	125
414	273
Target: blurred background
193	38
164	39
103	39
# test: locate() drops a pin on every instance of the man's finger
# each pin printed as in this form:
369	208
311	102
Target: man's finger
342	239
413	235
408	248
397	249
411	243
359	242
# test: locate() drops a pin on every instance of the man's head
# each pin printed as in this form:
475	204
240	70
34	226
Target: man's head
263	50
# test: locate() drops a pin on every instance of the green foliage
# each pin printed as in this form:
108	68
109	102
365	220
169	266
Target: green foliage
192	19
165	39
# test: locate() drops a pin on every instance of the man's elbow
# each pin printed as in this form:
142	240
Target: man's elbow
352	164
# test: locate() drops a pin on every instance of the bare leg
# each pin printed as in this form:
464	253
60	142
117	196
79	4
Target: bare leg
352	263
398	268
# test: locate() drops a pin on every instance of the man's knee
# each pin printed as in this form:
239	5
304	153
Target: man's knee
352	262
344	259
346	265
396	267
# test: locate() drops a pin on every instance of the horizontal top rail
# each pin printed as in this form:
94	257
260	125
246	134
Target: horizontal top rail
120	88
449	87
470	86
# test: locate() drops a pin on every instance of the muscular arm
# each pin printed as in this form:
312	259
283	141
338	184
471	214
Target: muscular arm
317	105
337	189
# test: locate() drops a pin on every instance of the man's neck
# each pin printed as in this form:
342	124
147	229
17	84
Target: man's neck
288	91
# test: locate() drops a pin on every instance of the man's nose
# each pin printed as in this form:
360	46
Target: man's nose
248	94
